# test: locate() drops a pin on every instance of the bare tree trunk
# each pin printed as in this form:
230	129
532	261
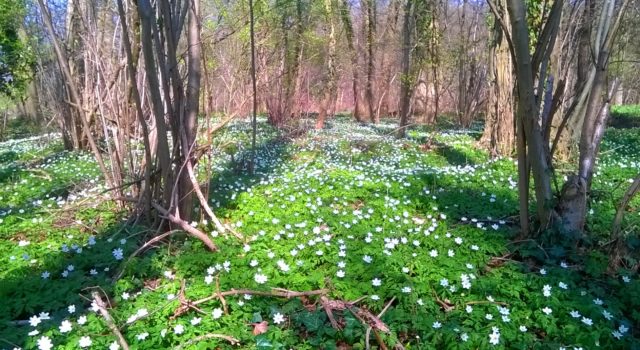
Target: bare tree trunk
499	131
370	6
146	188
568	133
348	25
529	116
282	104
188	125
164	155
254	125
178	181
574	199
620	249
406	82
32	103
73	90
330	86
5	117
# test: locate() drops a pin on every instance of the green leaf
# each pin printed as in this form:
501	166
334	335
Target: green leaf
263	343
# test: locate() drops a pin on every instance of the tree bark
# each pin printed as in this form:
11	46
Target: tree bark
192	100
135	94
330	86
345	11
72	88
406	82
528	114
574	199
370	6
499	131
163	155
254	89
620	249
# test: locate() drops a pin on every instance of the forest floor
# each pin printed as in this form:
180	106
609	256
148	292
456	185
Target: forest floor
391	244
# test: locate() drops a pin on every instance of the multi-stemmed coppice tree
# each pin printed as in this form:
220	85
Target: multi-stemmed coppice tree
566	209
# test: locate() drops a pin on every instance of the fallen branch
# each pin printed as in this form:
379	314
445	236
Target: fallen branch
102	308
141	249
329	310
203	237
235	233
534	242
18	322
275	292
221	297
444	304
618	251
486	302
231	340
185	304
369	329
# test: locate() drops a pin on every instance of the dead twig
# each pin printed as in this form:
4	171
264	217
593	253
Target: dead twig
185	304
231	340
187	228
275	292
221	297
235	233
486	302
102	308
369	329
533	241
327	308
140	250
444	304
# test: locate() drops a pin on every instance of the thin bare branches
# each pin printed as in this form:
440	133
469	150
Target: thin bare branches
102	308
195	340
275	292
203	237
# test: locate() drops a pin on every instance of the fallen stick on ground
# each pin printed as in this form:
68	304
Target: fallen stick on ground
110	322
369	329
194	232
231	340
275	292
140	250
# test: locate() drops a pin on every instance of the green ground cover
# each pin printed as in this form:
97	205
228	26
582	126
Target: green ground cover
422	225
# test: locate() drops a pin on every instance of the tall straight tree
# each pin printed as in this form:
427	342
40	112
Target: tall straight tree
254	89
345	13
593	119
416	37
406	82
281	102
330	87
370	7
499	131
